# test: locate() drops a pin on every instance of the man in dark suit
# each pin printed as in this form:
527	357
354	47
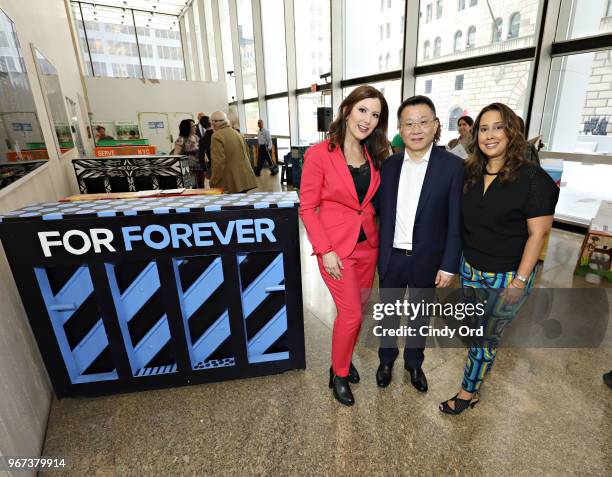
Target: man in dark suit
420	228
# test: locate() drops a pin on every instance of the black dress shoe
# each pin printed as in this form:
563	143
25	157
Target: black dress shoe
353	375
342	390
608	379
383	375
418	379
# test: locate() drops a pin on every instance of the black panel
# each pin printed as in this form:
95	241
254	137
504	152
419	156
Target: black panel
147	316
95	185
167	182
165	357
102	364
118	184
143	182
191	268
126	273
58	276
82	321
262	315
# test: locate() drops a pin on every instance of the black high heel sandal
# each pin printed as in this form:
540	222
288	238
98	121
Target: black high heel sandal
353	375
460	405
342	390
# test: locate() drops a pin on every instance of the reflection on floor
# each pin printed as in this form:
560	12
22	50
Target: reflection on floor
543	412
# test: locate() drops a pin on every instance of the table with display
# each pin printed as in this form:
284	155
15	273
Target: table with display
132	173
135	294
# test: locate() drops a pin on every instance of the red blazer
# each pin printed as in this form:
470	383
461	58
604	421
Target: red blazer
329	206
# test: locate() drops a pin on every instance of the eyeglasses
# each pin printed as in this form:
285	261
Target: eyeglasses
423	124
217	120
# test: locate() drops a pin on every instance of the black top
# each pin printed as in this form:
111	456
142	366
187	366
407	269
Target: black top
495	224
361	178
204	146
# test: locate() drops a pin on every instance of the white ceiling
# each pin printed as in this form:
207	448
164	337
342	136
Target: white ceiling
172	7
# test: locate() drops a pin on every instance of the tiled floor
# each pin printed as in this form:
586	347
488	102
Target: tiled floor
543	412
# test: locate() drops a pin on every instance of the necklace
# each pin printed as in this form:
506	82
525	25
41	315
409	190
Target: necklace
487	173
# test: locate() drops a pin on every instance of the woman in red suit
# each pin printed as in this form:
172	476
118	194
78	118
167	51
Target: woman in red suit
339	180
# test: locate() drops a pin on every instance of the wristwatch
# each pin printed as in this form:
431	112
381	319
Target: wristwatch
521	278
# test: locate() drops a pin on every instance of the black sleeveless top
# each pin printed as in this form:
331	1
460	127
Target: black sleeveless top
361	178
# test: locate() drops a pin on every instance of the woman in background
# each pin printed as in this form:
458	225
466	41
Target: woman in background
187	145
339	180
464	125
507	209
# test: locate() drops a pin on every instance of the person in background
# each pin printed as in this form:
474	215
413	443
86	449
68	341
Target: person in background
532	152
397	145
133	134
101	134
187	145
231	167
204	145
200	129
339	180
507	210
264	156
464	125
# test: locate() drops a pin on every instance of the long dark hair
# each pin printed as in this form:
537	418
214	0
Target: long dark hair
376	143
185	127
515	152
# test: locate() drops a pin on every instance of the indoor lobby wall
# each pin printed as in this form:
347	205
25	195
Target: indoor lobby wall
26	393
121	99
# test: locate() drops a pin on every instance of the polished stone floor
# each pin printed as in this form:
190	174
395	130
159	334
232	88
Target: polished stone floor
543	412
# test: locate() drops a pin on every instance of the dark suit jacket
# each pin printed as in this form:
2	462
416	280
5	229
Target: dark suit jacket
436	241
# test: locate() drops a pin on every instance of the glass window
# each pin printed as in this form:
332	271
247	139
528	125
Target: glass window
514	26
487	38
579	104
428	84
210	37
497	31
438	9
275	57
160	45
588	18
251	111
458	40
461	5
307	116
481	86
278	116
471	37
21	137
247	48
437	47
226	46
112	41
429	12
453	117
473	2
458	82
391	90
426	48
198	50
189	47
312	35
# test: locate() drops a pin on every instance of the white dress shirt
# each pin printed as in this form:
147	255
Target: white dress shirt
408	193
411	181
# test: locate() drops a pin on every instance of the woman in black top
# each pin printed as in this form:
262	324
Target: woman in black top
507	209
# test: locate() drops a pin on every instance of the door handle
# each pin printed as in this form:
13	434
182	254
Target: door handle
63	307
276	288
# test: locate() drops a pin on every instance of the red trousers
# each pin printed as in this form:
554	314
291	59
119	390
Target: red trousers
350	294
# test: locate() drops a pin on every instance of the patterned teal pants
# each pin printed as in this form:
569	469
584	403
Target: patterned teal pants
487	288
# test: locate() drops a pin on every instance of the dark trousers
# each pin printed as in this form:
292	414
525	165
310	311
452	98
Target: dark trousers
399	276
263	158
